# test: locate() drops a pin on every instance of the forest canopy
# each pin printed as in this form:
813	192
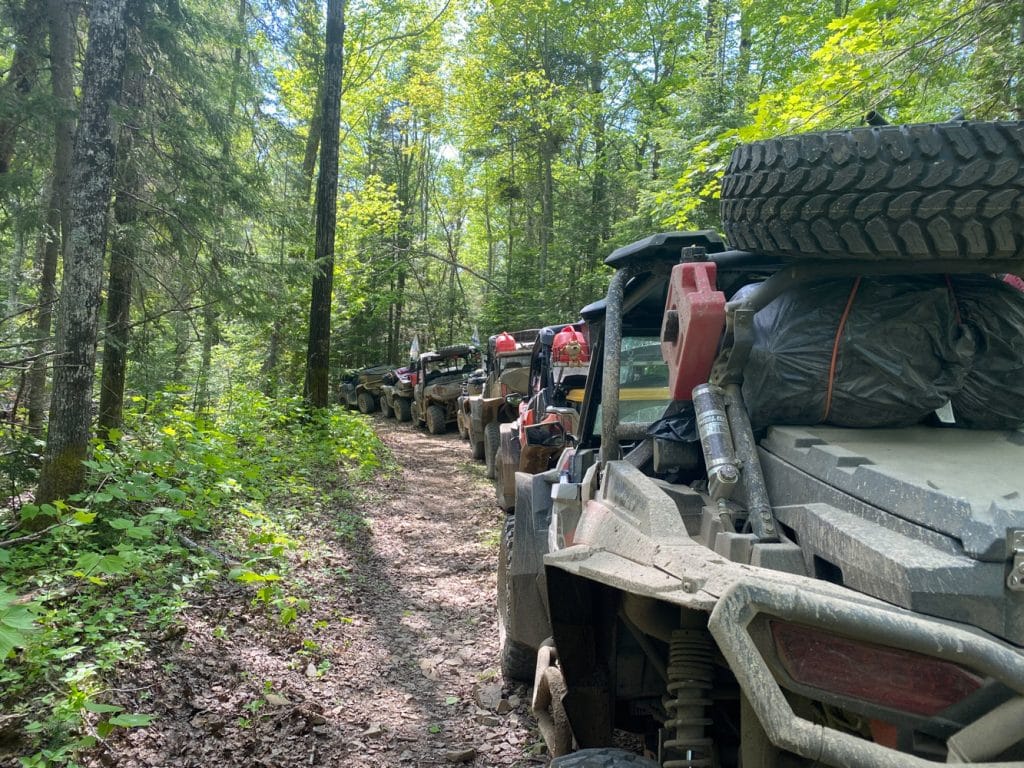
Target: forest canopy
489	157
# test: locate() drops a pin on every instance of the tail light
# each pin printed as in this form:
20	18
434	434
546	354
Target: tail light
889	677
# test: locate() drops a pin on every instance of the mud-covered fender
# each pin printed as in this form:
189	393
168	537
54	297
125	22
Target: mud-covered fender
526	571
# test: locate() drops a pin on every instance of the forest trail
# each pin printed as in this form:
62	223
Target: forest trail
394	662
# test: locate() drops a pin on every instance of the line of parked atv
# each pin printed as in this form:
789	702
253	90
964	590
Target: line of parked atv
766	508
502	399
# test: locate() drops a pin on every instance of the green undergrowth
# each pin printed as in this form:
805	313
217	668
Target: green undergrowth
176	503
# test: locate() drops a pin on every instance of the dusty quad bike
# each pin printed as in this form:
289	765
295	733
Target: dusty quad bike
438	376
554	391
473	386
396	393
726	572
361	389
507	368
347	388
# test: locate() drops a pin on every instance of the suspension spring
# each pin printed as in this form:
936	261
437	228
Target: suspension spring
687	743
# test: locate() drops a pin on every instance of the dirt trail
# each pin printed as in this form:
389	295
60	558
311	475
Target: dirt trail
394	662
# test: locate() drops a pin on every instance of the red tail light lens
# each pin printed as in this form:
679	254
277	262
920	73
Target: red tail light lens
888	677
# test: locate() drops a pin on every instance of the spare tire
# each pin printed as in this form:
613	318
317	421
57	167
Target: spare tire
917	192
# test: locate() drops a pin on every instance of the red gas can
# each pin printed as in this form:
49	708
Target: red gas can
692	326
570	347
505	342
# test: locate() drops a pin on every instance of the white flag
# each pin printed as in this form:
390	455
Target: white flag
475	338
414	350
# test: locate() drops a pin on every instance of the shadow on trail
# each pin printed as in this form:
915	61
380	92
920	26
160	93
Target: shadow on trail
428	570
393	643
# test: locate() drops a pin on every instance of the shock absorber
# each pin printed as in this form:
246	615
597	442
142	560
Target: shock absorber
686	743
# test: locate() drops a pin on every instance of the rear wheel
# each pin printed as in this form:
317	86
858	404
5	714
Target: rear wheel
492	438
403	409
518	660
436	421
367	402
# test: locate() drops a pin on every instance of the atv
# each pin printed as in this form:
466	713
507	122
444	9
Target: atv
361	389
554	390
507	371
801	541
396	394
437	383
347	388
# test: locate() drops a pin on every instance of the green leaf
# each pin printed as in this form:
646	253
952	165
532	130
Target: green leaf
93	562
246	576
87	561
16	623
132	721
120	523
9	640
83	517
29	511
139	532
99	708
111	564
17	617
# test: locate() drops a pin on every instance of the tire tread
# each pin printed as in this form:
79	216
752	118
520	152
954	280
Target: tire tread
927	191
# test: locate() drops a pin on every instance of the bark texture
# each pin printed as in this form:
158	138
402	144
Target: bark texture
319	347
123	253
21	77
61	24
92	175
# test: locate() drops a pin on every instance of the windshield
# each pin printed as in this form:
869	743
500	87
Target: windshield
461	364
643	380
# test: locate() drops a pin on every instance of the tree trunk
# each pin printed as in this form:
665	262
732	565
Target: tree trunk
399	352
211	328
268	370
319	348
21	77
78	315
547	208
61	22
711	71
600	224
211	337
312	147
123	253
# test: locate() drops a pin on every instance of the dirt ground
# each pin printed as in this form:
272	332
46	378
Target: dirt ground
394	662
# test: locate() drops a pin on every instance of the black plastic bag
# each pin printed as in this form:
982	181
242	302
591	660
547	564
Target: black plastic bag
679	425
900	353
992	396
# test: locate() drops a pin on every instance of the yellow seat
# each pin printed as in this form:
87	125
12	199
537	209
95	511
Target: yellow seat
657	394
